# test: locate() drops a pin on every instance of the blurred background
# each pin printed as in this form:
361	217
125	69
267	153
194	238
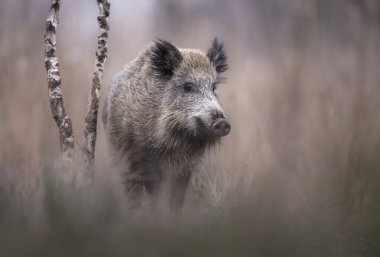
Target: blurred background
302	95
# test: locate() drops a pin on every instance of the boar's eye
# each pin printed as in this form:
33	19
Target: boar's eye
188	87
214	86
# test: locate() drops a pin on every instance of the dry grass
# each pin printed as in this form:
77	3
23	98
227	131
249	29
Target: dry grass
297	176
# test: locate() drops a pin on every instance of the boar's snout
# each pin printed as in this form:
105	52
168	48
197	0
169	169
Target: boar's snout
220	127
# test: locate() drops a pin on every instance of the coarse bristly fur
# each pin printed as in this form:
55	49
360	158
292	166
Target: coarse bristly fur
158	114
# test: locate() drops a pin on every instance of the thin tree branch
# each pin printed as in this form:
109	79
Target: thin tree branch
54	84
89	141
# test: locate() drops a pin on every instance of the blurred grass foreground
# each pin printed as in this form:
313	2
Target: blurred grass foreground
299	174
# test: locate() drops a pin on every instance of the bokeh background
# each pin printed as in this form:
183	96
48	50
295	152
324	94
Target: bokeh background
299	174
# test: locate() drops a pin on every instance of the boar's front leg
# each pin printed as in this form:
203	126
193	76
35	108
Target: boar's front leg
143	178
178	188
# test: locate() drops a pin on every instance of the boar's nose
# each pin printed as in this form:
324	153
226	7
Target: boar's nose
220	127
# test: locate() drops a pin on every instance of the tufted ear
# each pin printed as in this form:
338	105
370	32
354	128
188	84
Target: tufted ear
217	56
165	58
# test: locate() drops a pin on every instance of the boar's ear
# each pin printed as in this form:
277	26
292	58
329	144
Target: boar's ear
165	58
217	56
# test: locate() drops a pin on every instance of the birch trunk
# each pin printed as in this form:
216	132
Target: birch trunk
54	86
89	141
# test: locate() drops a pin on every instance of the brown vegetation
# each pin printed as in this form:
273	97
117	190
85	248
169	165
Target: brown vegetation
297	176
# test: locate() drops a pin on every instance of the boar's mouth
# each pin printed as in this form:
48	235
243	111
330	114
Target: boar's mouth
201	136
204	132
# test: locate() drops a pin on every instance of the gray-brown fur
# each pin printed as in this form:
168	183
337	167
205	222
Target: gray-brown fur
161	114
